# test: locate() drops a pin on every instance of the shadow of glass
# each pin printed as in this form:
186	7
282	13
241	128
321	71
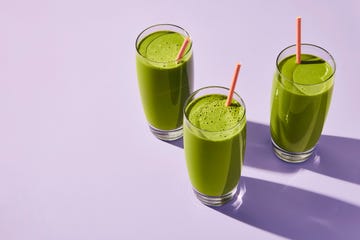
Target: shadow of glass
292	212
289	211
178	142
336	157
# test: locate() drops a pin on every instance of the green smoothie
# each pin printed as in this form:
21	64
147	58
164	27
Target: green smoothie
214	142
164	83
301	97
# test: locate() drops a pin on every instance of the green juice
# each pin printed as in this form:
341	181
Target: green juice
301	96
163	82
214	142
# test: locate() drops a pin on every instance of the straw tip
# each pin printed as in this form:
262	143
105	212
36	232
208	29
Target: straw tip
233	83
186	40
237	68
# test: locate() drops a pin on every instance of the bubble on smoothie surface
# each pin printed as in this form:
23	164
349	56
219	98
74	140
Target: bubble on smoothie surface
162	46
210	113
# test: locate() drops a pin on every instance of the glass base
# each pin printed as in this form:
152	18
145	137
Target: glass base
291	157
167	135
215	200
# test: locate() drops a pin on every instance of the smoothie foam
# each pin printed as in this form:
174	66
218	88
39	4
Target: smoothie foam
162	47
210	113
312	71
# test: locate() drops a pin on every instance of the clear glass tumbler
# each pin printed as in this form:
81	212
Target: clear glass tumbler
164	81
300	100
214	143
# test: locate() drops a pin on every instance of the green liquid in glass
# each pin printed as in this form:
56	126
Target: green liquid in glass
214	143
164	83
301	96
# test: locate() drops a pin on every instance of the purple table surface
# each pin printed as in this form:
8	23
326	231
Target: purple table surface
77	160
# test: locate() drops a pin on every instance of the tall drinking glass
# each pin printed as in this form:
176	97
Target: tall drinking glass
300	100
164	82
214	143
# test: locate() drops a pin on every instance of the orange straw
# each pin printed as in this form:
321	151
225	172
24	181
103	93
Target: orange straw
233	84
182	49
298	40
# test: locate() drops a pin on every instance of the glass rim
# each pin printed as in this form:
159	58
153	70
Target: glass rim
191	98
186	34
309	45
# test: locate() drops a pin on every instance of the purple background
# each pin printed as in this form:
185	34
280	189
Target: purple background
77	160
